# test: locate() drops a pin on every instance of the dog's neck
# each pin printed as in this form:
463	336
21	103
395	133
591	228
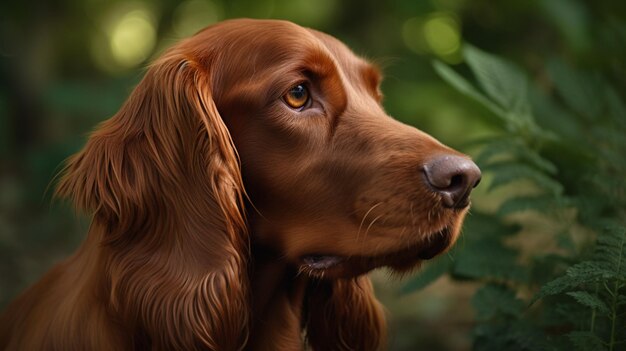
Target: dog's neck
278	294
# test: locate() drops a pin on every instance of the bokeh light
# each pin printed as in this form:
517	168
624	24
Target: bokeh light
133	38
441	31
126	38
437	33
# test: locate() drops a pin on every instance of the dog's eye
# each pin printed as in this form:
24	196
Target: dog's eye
297	97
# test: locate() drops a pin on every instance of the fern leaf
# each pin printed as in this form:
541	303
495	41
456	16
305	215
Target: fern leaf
586	272
502	81
557	286
610	252
586	341
586	299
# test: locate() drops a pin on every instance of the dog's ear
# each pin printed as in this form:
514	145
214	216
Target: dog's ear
163	182
344	315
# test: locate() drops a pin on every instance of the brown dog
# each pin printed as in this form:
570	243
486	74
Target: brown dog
239	197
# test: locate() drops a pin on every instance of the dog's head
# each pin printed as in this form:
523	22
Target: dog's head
335	185
340	187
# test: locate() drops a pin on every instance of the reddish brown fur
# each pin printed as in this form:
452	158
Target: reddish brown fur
180	256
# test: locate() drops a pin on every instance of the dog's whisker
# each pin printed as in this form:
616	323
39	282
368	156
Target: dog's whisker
370	226
364	217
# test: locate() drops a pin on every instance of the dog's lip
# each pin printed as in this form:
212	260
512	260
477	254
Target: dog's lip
321	262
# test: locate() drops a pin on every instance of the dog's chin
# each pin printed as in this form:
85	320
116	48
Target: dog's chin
326	266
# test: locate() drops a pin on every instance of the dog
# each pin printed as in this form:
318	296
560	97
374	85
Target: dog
239	197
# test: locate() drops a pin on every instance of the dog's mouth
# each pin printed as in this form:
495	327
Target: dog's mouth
333	266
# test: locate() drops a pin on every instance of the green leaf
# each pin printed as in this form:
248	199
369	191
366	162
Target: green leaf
583	92
586	299
537	203
477	261
492	300
508	335
464	87
586	341
429	274
554	117
573	20
565	241
504	82
480	227
508	171
616	107
514	147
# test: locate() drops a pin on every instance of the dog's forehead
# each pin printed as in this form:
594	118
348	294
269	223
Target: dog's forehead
301	41
273	53
351	64
337	48
274	41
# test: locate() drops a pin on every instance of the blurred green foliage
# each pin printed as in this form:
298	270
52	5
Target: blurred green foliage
572	174
549	135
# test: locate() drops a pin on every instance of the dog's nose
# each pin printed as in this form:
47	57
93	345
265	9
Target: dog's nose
453	177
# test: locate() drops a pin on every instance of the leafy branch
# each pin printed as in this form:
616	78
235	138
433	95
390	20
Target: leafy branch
567	145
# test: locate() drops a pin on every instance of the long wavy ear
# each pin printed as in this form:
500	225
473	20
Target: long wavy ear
162	180
344	315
